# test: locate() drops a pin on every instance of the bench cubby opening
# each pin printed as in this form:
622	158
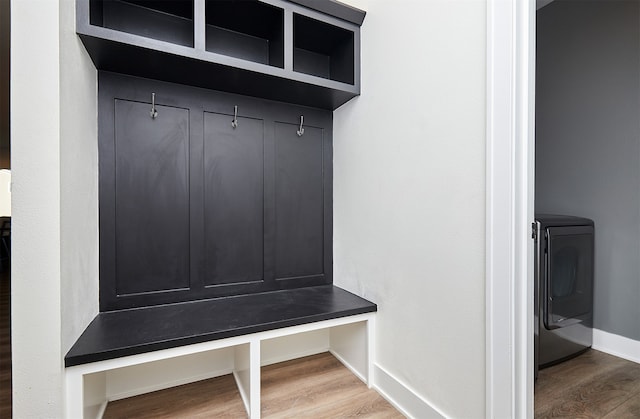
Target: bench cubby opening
92	386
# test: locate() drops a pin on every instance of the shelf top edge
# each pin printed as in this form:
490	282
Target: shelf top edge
334	8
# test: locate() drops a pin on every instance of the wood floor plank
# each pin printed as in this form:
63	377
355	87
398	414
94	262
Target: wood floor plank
590	386
557	381
216	397
312	365
298	387
318	386
628	410
351	403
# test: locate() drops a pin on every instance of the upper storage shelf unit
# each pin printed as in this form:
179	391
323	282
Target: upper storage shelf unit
305	52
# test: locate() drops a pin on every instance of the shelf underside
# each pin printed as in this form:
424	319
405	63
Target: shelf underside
133	60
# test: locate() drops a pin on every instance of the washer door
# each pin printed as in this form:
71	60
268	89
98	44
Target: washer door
568	292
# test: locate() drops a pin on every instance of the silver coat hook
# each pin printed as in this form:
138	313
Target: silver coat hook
154	111
234	122
300	131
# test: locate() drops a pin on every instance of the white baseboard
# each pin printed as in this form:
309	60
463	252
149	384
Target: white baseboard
616	345
403	397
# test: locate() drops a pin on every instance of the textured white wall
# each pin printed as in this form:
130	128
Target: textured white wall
78	180
409	195
35	161
55	232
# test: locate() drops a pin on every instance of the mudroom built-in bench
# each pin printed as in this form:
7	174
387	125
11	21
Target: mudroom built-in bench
215	153
247	332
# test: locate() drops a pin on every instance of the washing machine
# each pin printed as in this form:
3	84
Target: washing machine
564	267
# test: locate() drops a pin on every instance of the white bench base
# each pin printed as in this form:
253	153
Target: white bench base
350	339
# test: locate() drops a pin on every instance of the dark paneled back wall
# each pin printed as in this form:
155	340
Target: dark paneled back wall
192	207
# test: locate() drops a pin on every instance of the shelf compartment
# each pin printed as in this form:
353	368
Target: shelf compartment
163	20
249	30
323	50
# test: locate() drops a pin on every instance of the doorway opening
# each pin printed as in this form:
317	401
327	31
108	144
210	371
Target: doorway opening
587	164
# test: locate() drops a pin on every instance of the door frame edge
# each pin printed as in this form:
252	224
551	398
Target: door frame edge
510	152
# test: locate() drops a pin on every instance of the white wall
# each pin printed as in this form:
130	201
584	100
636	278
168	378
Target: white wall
78	181
409	195
35	160
54	160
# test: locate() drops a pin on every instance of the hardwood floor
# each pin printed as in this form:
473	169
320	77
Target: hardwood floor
318	386
214	398
5	343
593	385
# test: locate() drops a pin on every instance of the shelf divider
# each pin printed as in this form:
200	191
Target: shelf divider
288	40
199	26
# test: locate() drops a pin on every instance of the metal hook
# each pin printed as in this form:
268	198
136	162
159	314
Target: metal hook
234	122
300	131
154	112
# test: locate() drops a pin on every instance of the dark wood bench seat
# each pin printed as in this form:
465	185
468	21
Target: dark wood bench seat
134	331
